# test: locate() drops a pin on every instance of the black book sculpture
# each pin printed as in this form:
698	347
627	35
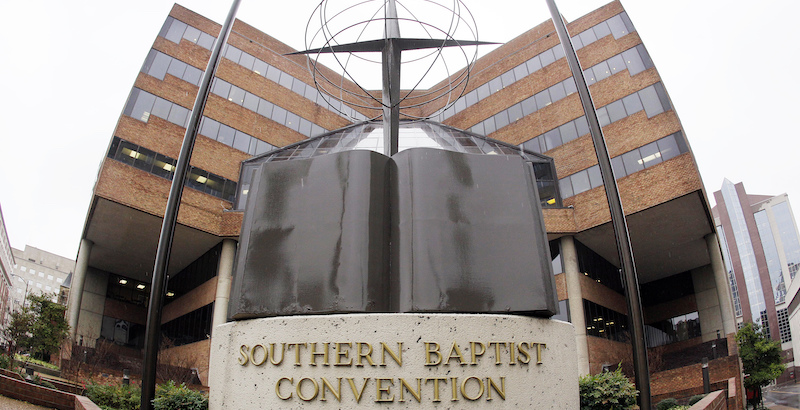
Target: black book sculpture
426	230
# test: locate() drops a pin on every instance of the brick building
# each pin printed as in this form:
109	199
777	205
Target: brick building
520	94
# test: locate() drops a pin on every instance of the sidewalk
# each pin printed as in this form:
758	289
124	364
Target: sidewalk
783	397
11	404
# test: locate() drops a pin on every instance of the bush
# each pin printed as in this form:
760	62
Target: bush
607	391
114	397
5	362
694	399
667	404
172	397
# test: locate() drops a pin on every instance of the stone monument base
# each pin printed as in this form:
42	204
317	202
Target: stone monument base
420	361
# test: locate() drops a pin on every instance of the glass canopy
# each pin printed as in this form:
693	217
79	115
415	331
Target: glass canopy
413	134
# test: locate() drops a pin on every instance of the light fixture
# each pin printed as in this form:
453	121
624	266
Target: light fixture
609	323
140	286
201	179
168	167
649	158
170	294
123	281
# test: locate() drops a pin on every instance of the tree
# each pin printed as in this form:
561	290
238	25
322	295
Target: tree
607	391
40	326
761	357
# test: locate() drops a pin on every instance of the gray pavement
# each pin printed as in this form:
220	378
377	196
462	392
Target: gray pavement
782	397
11	404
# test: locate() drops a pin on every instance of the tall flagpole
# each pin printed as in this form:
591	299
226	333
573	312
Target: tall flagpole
157	288
629	277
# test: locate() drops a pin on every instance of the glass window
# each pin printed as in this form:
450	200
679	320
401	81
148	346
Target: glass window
472	97
633	61
569	86
617	26
580	182
533	144
650	154
488	125
292	120
632	161
484	91
558	52
279	115
557	92
595	178
520	71
627	21
632	104
460	105
528	106
501	119
193	75
251	102
588	37
265	108
565	186
143	106
206	41
588	75
161	108
242	141
247	61
298	87
650	101
177	68
495	85
552	139
226	135
192	34
176	31
286	80
508	78
645	57
221	88
601	30
542	99
601	71
568	132
273	74
232	53
163	166
534	64
547	57
602	117
616	165
616	111
178	115
160	65
260	67
514	112
237	95
209	128
582	124
668	147
576	43
616	64
304	127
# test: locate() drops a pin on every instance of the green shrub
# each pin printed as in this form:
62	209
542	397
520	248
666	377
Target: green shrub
667	404
172	397
607	391
114	397
694	399
6	362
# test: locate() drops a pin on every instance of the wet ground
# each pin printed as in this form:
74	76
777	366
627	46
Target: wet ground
782	397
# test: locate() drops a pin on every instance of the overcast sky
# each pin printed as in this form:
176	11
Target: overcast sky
68	67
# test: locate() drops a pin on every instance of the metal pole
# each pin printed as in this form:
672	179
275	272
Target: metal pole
630	279
157	288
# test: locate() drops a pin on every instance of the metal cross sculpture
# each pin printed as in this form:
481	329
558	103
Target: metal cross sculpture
391	46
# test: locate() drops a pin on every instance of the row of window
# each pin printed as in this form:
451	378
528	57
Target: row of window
653	100
783	325
174	30
676	329
526	107
296	85
265	108
191	327
41	274
164	167
233	137
618	25
774	266
632	161
158	64
635	59
141	105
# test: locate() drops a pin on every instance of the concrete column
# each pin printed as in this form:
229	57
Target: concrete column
224	278
77	284
569	256
723	284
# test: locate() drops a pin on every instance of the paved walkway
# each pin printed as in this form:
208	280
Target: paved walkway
11	404
782	397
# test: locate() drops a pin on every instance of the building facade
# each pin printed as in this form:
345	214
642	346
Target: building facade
761	245
7	264
521	94
38	272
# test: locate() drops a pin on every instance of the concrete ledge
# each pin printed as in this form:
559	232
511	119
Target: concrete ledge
14	387
713	401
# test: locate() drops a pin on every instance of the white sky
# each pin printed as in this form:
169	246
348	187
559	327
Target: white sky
67	69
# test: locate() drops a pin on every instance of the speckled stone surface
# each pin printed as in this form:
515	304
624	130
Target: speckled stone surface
317	362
